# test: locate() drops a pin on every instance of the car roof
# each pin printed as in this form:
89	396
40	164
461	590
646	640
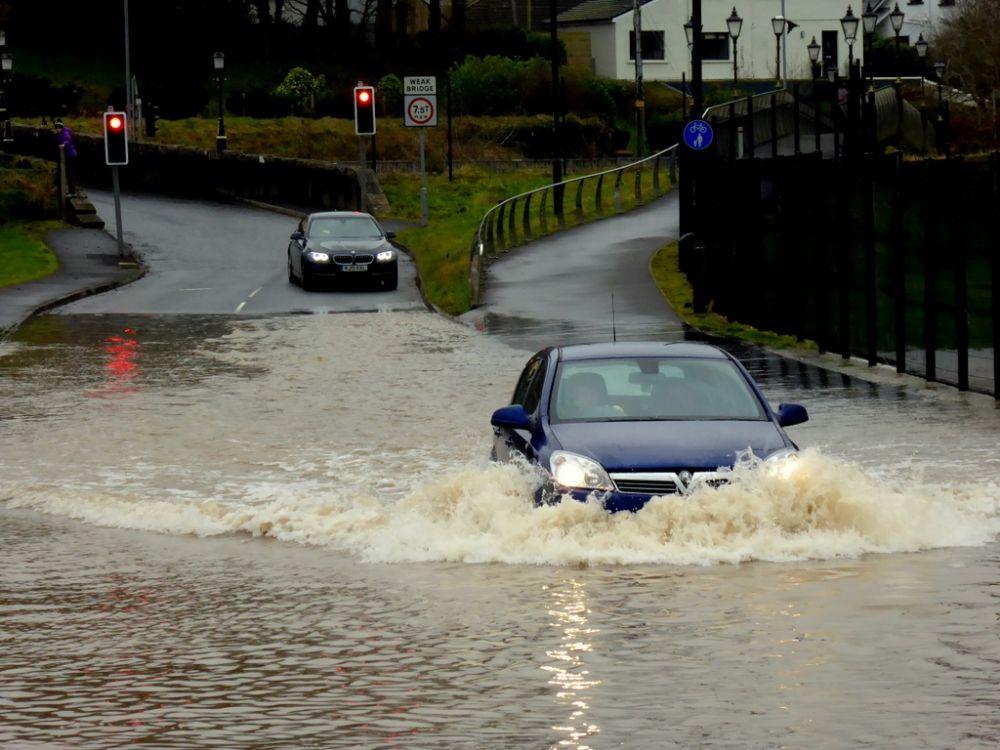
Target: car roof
337	215
622	349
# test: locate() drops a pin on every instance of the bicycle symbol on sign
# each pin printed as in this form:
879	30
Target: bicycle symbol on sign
698	135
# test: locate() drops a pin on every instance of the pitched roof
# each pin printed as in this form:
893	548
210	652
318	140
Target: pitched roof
596	11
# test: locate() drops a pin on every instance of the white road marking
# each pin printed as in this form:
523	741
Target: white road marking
240	306
198	289
254	292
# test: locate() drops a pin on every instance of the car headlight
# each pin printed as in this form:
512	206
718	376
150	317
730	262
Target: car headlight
783	463
571	470
385	256
317	257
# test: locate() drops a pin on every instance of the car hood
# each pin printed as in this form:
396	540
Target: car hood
346	246
668	446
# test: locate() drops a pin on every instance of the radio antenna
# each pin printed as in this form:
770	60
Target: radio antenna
614	331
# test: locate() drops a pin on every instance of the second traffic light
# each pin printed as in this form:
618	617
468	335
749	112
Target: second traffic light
115	139
364	110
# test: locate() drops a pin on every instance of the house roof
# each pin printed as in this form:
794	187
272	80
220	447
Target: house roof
597	11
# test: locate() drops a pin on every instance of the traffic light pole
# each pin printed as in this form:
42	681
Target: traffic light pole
362	174
118	212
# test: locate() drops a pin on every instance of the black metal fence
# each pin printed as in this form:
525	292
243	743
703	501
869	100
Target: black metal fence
893	261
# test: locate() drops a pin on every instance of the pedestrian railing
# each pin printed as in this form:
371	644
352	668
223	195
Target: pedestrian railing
543	211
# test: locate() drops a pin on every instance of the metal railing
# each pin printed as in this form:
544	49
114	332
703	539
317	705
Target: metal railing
512	222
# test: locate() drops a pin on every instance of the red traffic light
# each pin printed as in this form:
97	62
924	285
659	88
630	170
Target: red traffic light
115	139
364	109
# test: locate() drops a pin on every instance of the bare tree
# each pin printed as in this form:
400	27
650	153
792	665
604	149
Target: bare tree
969	42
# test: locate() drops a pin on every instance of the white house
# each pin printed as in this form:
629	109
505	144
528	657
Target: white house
608	26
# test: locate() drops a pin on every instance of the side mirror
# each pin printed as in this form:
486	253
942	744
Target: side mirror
297	236
792	414
512	417
390	235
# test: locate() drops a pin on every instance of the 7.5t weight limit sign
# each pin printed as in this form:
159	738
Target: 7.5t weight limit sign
420	102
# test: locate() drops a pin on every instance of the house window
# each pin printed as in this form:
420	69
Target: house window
652	45
947	2
715	46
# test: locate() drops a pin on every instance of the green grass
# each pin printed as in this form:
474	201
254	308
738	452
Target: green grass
454	209
675	287
441	249
23	255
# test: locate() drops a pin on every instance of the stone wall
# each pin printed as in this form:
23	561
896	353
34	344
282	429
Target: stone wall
304	184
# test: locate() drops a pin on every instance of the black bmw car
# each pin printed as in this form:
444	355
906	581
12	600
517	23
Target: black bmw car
342	246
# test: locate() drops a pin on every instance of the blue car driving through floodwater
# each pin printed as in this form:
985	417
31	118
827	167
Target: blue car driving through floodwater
628	421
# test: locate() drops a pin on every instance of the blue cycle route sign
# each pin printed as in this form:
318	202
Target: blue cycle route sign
698	135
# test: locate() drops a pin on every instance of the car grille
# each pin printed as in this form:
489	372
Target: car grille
666	483
647	486
347	259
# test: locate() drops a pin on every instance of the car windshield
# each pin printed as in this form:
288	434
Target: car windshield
344	228
652	388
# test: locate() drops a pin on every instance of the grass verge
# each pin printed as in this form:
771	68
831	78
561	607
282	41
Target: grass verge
674	285
441	249
23	254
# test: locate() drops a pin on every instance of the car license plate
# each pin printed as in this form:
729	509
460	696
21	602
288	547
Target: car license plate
354	268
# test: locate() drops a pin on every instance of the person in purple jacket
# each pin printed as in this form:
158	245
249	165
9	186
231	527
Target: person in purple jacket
64	137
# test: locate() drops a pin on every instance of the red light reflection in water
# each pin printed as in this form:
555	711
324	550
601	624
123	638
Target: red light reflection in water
121	367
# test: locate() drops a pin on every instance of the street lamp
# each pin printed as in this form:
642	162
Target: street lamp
921	46
778	25
849	23
6	66
814	50
219	60
896	19
735	24
869	20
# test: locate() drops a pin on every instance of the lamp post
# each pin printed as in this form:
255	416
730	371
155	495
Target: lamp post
778	26
939	68
219	60
849	24
689	33
735	24
6	66
921	47
896	19
814	50
869	20
640	104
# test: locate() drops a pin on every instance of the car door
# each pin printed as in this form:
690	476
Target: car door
295	248
528	394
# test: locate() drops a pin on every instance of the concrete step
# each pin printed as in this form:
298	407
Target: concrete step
82	211
90	221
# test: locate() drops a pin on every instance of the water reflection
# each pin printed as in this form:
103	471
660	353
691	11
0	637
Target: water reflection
569	674
122	366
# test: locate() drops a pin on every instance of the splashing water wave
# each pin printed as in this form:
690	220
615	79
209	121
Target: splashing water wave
828	508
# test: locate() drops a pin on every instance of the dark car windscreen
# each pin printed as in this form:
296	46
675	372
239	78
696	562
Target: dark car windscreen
344	228
652	388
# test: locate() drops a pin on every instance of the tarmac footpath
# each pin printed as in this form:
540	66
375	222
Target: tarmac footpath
88	264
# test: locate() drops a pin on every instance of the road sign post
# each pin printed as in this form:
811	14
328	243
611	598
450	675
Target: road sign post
420	111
